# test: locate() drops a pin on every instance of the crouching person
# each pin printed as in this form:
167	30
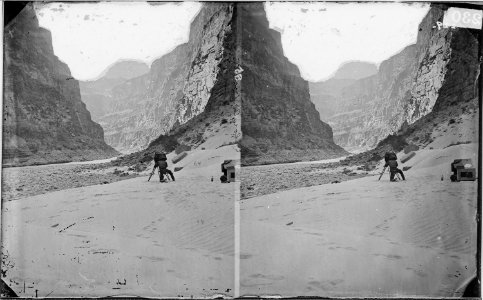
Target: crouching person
163	169
160	161
393	169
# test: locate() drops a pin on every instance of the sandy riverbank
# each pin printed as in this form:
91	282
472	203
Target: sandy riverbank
21	182
268	179
364	237
127	238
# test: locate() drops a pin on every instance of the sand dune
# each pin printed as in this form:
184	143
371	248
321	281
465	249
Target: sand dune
365	237
127	238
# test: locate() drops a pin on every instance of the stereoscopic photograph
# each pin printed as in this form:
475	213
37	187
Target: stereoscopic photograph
241	149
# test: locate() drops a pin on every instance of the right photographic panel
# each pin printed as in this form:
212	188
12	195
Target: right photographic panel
360	149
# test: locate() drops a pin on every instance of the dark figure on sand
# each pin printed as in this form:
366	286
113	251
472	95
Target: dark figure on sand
393	170
160	161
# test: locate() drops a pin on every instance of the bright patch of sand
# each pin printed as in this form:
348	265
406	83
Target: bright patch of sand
364	237
131	237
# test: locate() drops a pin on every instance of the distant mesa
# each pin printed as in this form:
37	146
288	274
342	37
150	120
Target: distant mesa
125	69
355	70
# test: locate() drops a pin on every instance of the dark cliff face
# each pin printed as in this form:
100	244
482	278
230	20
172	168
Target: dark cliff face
407	87
279	122
177	87
44	119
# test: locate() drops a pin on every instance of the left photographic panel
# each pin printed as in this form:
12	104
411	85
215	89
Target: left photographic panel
119	151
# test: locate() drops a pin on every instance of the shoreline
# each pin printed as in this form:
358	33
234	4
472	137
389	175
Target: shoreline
63	162
301	162
27	181
269	179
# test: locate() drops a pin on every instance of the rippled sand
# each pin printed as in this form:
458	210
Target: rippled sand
365	237
127	238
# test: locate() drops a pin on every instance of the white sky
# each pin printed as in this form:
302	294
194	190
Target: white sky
319	37
91	36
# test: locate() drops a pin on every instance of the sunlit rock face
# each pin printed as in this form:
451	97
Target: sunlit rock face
44	119
279	122
177	87
448	67
209	114
440	69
